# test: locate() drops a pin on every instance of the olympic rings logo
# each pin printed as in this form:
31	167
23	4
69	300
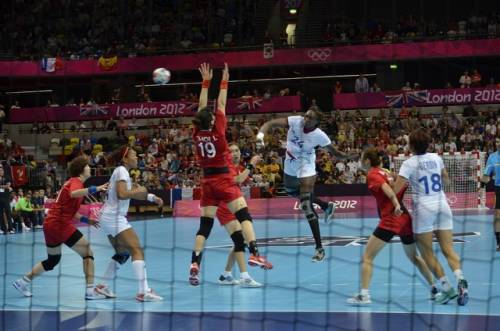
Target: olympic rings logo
319	54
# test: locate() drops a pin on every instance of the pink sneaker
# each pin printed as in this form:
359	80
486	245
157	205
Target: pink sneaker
149	296
194	274
260	261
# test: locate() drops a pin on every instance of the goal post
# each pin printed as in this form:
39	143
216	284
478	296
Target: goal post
465	170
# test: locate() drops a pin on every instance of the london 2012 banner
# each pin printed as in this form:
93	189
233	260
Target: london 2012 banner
89	112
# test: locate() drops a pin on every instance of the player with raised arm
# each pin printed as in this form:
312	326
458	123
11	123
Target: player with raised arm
426	175
493	169
58	229
120	233
394	221
304	135
218	184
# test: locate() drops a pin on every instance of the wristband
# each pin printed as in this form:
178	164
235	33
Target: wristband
205	84
151	197
223	85
92	189
260	136
250	166
84	219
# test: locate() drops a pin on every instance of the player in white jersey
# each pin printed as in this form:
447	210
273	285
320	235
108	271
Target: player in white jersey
303	136
426	175
114	222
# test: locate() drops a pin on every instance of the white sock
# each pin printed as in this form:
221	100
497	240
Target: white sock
245	275
365	291
459	274
26	280
110	273
140	275
227	273
445	283
89	290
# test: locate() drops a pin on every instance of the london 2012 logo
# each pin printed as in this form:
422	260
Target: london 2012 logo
319	54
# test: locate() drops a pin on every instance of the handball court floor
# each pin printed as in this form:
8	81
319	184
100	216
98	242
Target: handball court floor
298	294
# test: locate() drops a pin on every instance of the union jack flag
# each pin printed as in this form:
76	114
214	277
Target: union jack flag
406	98
249	103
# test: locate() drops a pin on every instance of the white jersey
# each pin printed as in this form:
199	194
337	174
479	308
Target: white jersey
114	207
424	175
300	148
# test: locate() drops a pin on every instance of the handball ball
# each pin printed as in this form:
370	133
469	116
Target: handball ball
161	76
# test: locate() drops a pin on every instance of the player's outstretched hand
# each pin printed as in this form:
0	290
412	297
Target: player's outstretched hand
159	201
225	72
94	223
255	160
103	188
205	71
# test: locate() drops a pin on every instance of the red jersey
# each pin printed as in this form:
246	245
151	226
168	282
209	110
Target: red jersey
211	145
375	179
65	207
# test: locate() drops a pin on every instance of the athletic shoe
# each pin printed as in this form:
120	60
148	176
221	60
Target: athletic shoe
360	299
25	228
260	261
12	231
95	295
498	248
444	296
228	280
22	287
463	292
149	296
1	232
434	292
194	274
329	211
249	282
319	255
105	290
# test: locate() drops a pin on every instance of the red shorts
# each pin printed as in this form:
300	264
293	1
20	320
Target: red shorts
57	233
224	215
217	189
399	225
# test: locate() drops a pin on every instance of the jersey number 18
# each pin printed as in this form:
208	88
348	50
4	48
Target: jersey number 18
435	183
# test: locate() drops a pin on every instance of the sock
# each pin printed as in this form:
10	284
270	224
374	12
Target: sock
314	224
245	275
319	202
26	279
196	257
89	290
459	274
445	283
227	274
140	275
365	291
497	236
252	247
110	273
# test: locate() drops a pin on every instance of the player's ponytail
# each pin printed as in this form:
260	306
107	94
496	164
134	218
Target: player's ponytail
203	119
116	157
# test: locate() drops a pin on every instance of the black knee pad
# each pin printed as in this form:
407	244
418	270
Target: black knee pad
243	215
206	224
121	258
51	262
307	206
239	241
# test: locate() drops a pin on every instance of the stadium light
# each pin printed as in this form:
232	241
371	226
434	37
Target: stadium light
293	11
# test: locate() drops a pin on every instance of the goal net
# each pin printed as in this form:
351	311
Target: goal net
465	171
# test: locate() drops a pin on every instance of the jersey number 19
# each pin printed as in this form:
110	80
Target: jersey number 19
207	149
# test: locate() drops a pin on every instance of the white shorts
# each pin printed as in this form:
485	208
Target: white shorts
431	216
300	168
114	225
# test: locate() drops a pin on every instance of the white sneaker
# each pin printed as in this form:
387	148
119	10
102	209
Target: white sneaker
228	280
150	295
360	299
22	287
94	295
1	232
105	290
249	282
25	228
12	231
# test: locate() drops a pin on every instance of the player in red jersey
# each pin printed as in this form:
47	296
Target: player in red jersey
58	229
218	184
394	220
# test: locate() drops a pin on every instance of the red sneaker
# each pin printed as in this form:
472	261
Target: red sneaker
194	274
260	261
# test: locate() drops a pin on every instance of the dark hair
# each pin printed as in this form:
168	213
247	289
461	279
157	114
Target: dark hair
77	166
372	154
116	157
419	141
203	118
317	112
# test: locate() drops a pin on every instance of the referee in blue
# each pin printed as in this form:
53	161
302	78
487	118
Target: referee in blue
493	168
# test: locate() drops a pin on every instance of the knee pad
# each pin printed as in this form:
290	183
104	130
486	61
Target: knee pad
239	241
307	206
243	215
51	262
121	258
88	257
206	224
292	191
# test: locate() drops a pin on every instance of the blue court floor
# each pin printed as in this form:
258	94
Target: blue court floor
298	294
